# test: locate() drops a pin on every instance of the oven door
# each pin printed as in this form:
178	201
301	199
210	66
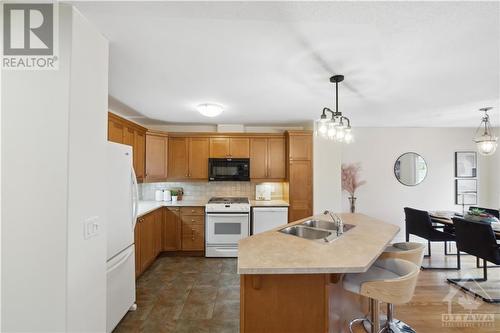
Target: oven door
227	228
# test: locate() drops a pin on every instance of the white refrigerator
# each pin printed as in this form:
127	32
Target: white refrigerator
122	216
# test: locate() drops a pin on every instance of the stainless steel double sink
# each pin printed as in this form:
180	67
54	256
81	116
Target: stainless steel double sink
317	230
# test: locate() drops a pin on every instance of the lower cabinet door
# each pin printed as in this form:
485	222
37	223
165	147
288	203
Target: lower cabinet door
171	229
137	241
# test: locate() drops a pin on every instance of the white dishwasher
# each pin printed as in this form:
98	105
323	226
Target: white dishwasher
267	218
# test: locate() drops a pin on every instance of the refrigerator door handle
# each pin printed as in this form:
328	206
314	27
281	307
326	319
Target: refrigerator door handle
135	199
121	261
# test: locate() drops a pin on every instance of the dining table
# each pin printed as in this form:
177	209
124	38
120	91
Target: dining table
446	218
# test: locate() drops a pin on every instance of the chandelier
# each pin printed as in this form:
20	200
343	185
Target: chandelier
485	140
337	127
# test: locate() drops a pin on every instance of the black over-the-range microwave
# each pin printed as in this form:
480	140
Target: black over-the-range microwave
229	169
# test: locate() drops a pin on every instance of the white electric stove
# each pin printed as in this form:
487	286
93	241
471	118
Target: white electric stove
227	221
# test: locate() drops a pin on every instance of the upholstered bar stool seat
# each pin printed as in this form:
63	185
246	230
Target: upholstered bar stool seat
388	280
413	252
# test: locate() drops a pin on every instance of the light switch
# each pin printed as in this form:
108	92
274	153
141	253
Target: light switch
91	227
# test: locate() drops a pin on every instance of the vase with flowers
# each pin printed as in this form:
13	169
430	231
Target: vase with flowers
351	182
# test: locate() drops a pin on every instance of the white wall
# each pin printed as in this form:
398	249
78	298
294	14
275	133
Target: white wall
86	291
326	172
49	118
383	196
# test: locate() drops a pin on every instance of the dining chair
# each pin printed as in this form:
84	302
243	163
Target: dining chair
419	223
477	239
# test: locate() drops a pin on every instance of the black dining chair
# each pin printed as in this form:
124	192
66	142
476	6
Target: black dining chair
419	223
477	239
494	212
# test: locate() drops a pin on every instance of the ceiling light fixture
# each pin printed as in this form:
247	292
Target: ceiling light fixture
485	140
210	109
338	127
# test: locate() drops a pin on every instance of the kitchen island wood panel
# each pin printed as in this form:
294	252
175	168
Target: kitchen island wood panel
292	284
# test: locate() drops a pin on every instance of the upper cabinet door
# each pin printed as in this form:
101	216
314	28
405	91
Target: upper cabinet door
128	136
300	147
156	157
276	165
258	158
219	147
139	154
239	148
115	131
178	158
198	158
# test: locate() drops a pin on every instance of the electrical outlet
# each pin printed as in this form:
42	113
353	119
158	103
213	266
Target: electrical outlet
91	227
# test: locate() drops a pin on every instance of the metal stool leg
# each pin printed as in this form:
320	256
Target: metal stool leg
395	325
371	325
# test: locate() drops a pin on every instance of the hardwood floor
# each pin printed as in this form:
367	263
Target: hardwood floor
183	294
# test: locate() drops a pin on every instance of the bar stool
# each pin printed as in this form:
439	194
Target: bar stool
413	252
387	280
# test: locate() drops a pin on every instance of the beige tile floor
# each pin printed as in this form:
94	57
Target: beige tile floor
186	294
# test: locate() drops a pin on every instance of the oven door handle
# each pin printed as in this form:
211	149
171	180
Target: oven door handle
227	215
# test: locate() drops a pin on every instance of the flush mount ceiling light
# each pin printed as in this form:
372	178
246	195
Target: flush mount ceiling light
338	127
210	109
485	140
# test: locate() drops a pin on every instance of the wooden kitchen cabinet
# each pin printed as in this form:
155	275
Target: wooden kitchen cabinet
229	147
137	244
277	158
219	147
193	228
139	154
300	146
121	130
239	147
156	156
198	158
258	158
148	240
267	159
300	174
115	131
171	229
178	158
188	158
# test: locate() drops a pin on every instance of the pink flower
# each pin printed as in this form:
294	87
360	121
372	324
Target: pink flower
350	174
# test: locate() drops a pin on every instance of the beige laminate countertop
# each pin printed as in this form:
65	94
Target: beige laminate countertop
273	252
269	203
148	206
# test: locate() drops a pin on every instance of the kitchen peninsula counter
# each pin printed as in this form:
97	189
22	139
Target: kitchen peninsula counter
291	284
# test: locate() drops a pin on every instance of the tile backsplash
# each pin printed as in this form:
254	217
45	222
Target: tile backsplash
206	190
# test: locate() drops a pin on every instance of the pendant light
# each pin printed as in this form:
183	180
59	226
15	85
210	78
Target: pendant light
338	127
485	140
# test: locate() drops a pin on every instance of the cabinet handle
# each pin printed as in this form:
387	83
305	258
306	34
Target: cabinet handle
192	220
192	234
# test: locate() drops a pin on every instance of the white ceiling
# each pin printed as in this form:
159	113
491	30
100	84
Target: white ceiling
405	63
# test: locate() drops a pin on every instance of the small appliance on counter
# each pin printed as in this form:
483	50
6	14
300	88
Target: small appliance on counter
263	192
167	195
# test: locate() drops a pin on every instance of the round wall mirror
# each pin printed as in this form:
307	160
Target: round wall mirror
410	169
